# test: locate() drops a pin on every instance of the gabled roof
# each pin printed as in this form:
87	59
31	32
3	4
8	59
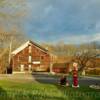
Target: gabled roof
26	44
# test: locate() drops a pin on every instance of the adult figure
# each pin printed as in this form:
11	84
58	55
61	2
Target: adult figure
75	75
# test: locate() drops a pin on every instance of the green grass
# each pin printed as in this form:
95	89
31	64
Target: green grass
24	90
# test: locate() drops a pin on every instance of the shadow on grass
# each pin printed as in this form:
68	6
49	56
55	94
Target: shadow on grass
81	93
69	93
4	95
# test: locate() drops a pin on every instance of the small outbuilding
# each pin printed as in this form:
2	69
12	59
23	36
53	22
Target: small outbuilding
60	67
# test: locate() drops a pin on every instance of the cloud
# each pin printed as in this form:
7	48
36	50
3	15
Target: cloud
53	20
72	16
83	38
12	14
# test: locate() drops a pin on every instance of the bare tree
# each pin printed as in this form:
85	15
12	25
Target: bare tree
85	56
8	42
12	13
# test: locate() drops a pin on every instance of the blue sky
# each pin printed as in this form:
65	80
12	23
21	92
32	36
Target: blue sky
71	21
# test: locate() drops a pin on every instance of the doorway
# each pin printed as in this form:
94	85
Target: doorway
22	68
30	68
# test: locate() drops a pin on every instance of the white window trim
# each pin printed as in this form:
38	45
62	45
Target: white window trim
30	49
29	67
22	67
30	59
36	62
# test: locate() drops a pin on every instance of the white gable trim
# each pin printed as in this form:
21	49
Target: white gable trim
20	48
24	46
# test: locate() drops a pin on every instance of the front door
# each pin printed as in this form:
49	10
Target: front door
30	69
22	68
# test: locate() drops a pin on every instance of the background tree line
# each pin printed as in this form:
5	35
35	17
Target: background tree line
11	16
85	54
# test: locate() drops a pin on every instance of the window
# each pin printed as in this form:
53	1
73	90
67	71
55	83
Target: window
30	49
30	59
21	67
30	67
22	58
36	62
36	58
42	57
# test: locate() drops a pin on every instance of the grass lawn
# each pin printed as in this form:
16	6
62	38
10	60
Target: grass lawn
28	90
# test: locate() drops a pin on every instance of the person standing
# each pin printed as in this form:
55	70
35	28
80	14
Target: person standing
75	75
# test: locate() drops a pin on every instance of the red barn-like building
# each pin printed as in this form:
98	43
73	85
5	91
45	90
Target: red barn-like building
30	57
61	67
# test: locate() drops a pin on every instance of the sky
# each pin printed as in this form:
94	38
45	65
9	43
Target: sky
51	21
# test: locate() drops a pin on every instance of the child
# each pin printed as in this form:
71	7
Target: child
63	80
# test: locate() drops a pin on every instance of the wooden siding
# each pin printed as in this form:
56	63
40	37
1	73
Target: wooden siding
37	55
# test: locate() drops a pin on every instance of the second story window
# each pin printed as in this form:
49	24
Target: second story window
30	49
42	57
30	59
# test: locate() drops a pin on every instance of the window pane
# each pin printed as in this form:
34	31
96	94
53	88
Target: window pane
30	59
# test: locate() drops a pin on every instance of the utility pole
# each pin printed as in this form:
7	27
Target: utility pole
10	49
51	64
